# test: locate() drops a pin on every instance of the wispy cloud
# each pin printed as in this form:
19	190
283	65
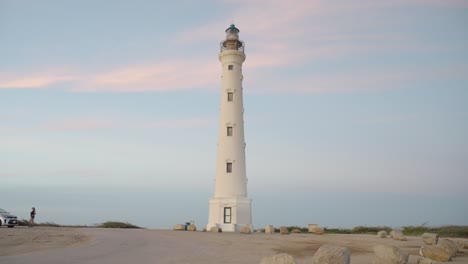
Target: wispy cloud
91	124
165	76
280	34
80	124
41	80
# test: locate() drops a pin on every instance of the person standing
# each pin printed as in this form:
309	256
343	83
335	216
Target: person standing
33	214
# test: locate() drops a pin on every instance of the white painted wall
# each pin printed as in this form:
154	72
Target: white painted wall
231	188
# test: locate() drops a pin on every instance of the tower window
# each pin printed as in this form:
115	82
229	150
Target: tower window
229	131
230	96
229	167
230	67
227	215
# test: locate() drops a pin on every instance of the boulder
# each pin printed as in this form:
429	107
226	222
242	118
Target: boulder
284	230
384	254
397	235
382	234
296	231
318	231
331	254
179	227
460	244
282	258
430	238
245	229
449	246
436	253
269	229
215	229
204	229
312	226
426	261
191	228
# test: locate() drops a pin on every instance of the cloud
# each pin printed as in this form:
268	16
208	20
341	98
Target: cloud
89	124
165	76
80	124
280	34
34	81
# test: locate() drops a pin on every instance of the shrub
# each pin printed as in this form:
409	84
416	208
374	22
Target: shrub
111	224
337	231
443	231
302	229
370	229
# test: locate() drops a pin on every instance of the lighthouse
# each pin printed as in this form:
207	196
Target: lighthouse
230	208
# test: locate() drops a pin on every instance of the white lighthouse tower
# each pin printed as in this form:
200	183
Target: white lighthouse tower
230	207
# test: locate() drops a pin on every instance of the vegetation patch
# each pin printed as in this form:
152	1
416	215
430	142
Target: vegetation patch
443	231
111	224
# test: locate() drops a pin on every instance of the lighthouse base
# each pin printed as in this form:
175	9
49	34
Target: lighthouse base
230	214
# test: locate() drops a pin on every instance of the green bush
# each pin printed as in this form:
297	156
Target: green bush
443	231
337	231
302	229
370	229
111	224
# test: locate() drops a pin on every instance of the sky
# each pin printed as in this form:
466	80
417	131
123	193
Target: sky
355	111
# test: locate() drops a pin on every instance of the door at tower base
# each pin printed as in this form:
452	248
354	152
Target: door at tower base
229	214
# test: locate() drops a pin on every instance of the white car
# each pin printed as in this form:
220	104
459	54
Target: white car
8	219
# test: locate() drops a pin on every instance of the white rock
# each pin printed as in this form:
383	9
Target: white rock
282	258
215	229
449	246
318	231
436	253
382	234
331	254
284	230
269	229
384	254
179	227
312	226
245	229
430	238
423	260
191	228
397	235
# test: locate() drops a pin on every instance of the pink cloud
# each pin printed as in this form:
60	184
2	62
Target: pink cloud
165	76
33	81
81	124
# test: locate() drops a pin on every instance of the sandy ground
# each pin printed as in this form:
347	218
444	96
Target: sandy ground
94	245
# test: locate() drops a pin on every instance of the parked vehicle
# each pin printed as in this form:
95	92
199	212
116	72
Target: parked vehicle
8	219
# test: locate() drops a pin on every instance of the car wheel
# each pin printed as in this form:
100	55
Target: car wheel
11	226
